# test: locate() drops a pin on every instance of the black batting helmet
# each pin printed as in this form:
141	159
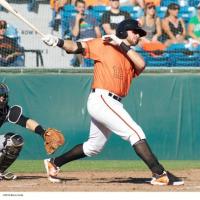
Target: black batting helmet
4	92
126	25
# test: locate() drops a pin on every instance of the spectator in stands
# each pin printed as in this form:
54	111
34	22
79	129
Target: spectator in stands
173	27
83	26
111	18
194	26
150	23
56	5
9	49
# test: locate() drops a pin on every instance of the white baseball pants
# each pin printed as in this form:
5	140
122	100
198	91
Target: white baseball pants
108	115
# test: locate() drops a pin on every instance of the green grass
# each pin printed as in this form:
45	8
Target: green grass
31	166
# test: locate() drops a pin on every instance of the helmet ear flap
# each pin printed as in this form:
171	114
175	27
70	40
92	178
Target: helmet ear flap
122	35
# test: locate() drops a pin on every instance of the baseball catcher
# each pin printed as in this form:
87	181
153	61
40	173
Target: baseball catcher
12	143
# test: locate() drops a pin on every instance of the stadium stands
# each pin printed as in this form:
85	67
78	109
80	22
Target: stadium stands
180	56
166	3
175	55
186	13
66	13
135	12
97	11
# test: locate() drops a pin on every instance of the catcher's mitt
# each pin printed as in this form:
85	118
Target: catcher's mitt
52	140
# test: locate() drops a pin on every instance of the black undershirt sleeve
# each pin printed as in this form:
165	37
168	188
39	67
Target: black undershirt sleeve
22	121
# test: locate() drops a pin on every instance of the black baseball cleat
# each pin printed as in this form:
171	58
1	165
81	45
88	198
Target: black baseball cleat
174	180
7	176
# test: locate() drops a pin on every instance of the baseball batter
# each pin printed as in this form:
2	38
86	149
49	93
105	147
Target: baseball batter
11	143
116	64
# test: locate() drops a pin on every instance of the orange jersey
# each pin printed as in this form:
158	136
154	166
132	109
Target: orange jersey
113	70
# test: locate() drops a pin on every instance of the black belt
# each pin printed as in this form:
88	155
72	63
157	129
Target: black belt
111	95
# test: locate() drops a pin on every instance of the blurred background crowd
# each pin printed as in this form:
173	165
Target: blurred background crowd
172	40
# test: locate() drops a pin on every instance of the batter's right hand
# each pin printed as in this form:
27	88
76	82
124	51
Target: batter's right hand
112	39
50	40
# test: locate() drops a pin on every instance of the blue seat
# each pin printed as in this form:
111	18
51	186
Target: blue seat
137	12
127	8
97	15
167	2
186	13
100	8
88	62
69	8
180	56
157	61
12	32
193	3
161	10
97	11
33	6
66	14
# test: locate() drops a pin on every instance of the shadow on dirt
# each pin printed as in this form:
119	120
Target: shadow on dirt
30	177
126	180
44	177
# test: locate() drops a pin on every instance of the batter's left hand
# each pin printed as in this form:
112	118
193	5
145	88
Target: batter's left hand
50	40
112	39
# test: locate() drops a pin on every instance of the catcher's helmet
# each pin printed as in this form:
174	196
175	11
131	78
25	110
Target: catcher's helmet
4	92
126	25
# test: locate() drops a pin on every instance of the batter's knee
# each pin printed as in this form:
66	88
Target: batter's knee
133	138
92	149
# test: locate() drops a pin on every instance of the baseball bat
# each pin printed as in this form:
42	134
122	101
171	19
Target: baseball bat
7	6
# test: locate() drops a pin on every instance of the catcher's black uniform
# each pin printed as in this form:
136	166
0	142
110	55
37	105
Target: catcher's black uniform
10	143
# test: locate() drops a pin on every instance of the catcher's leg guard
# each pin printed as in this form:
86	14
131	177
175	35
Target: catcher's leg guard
12	146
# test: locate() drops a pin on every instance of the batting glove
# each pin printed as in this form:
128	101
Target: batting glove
112	39
50	40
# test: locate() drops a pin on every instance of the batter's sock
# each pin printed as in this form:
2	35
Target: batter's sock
144	152
74	154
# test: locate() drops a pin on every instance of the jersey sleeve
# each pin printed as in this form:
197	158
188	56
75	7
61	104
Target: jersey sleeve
93	49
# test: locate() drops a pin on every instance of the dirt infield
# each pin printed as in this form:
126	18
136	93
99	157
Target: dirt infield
99	181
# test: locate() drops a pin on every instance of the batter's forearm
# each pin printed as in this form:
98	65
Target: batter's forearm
69	46
138	61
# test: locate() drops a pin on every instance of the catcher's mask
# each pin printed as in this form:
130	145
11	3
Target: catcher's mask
3	95
129	24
